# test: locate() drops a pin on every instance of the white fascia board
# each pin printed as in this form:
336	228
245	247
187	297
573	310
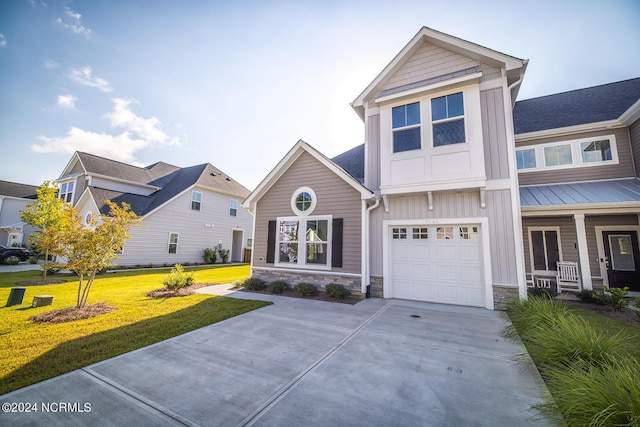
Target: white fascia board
86	194
434	186
70	163
126	181
548	133
591	208
434	86
631	115
289	159
215	190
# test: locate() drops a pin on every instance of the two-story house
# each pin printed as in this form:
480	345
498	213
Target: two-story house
183	210
432	212
15	197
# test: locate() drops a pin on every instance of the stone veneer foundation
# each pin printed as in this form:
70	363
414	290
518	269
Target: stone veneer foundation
318	279
502	295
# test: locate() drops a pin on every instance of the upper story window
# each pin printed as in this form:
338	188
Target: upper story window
66	192
447	117
196	200
568	154
233	207
405	121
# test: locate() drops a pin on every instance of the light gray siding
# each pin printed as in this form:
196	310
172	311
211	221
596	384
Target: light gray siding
624	169
501	237
372	153
10	208
494	134
634	133
334	197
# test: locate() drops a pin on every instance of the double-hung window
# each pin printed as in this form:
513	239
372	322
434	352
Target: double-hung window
66	192
233	207
304	241
196	200
405	121
173	243
447	119
544	248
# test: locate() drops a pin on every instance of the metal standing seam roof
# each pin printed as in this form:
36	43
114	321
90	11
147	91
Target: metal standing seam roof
581	193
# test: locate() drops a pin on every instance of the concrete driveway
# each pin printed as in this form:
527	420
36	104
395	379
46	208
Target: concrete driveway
311	363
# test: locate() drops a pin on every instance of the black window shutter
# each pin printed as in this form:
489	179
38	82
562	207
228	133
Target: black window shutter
336	243
271	242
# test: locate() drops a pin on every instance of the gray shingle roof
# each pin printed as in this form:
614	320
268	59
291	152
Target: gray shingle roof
352	161
14	189
615	191
576	107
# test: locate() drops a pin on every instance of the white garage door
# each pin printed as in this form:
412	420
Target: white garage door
440	263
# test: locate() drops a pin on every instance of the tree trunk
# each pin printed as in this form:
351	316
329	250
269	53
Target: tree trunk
87	289
79	300
44	266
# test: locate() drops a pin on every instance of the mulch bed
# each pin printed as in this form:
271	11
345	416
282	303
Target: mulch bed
40	282
169	293
627	316
322	296
72	313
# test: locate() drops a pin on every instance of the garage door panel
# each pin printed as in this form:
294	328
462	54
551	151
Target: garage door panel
438	270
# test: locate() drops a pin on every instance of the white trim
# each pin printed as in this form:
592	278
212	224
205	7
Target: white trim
587	208
583	250
237	208
302	243
499	184
312	207
307	271
558	238
422	89
631	115
599	229
482	222
461	184
569	130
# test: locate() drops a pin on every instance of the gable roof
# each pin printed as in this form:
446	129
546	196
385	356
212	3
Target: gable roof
514	66
14	189
284	164
577	107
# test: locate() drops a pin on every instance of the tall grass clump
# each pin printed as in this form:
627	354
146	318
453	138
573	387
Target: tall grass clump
529	315
598	396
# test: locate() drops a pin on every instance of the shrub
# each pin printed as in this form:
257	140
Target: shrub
209	256
224	255
587	395
637	304
254	284
614	297
586	295
278	287
177	278
542	292
33	259
306	290
337	291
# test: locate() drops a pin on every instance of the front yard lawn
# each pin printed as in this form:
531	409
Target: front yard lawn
32	352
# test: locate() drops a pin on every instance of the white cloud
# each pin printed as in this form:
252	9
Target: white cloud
72	22
138	133
51	64
3	41
66	102
84	77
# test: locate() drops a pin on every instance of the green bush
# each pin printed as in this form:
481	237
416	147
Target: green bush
177	278
614	297
224	255
587	395
209	256
254	284
586	295
542	292
637	304
337	291
33	259
278	287
306	290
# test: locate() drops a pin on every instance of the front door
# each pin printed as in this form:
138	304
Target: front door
623	259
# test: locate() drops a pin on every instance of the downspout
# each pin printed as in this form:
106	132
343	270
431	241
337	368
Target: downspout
366	277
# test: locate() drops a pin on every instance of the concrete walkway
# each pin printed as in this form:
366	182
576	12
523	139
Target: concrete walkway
303	362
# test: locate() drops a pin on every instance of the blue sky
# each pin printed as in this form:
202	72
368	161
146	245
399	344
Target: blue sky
237	83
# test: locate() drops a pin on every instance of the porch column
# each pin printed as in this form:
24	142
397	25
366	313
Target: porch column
583	251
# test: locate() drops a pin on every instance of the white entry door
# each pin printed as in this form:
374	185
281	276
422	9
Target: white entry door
441	263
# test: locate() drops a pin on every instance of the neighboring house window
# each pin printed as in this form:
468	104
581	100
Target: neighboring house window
303	201
447	118
526	159
405	122
399	233
196	200
544	248
233	207
173	243
304	242
568	154
66	192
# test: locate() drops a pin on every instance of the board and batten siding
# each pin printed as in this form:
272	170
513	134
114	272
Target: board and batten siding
624	169
334	197
494	134
568	240
634	134
197	230
372	152
430	61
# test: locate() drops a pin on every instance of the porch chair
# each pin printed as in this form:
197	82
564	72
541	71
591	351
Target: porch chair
568	278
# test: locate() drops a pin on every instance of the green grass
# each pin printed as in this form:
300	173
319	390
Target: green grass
589	362
32	352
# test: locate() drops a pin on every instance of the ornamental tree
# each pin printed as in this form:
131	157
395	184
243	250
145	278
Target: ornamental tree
93	248
50	216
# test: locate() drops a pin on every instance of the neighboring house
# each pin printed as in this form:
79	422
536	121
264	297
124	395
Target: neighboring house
14	198
183	210
428	209
578	158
